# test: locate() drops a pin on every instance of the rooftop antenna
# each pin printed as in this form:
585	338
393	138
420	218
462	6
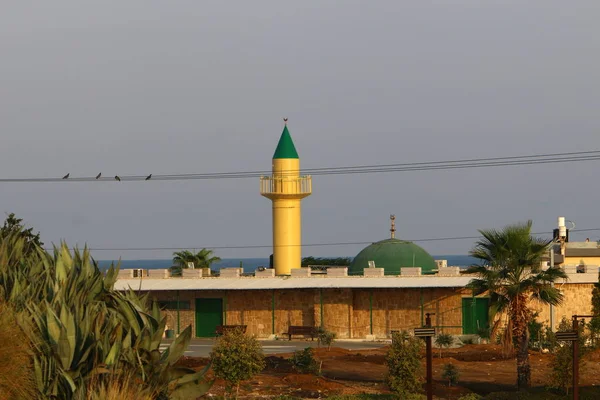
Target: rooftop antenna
393	228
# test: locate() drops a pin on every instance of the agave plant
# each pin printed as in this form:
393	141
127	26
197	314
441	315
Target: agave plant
84	330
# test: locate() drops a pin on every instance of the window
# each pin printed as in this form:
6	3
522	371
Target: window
172	305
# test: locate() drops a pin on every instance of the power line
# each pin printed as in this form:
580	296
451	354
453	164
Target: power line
549	158
304	245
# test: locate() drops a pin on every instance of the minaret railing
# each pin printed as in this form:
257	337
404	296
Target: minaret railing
286	185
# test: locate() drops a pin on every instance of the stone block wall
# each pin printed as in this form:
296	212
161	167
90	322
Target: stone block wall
577	300
396	309
293	307
337	311
251	308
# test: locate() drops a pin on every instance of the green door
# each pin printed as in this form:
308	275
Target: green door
209	314
474	314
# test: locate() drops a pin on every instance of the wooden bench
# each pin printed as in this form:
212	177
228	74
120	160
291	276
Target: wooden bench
302	330
220	329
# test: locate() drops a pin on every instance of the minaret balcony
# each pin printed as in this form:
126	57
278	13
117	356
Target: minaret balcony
286	187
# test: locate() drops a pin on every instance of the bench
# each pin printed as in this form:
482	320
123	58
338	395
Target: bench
302	330
220	329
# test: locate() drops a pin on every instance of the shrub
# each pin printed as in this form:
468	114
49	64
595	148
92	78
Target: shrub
404	364
117	387
304	362
16	366
536	330
325	337
451	374
562	363
82	328
444	340
236	357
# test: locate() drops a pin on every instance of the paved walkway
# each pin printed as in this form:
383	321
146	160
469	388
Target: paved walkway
202	347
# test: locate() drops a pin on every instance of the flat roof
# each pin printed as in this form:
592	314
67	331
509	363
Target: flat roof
253	283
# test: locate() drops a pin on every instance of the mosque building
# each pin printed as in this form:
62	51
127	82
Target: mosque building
389	286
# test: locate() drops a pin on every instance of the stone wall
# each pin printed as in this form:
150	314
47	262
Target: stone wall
396	309
577	300
346	311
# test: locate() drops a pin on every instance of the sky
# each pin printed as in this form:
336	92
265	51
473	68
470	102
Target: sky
133	87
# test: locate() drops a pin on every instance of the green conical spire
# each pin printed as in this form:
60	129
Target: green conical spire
285	147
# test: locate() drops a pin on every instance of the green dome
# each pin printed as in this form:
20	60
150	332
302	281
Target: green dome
392	254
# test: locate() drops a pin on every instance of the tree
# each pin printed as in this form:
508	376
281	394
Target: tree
512	275
236	357
444	340
338	262
14	226
451	374
202	259
562	362
404	364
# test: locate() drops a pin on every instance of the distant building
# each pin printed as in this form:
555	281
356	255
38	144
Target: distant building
389	286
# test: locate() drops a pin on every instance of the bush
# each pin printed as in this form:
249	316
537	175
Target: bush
451	374
444	340
562	363
236	357
325	337
80	327
536	331
304	362
404	364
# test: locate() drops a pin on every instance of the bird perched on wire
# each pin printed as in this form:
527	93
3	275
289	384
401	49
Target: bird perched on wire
117	178
148	177
66	176
99	175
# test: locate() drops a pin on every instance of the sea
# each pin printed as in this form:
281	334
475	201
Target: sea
251	264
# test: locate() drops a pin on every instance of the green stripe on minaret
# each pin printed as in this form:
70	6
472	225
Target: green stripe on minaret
285	147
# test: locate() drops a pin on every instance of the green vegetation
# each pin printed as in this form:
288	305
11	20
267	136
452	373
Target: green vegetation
562	363
236	357
202	259
304	361
83	334
450	373
536	332
325	337
594	324
338	262
404	364
444	340
512	275
14	226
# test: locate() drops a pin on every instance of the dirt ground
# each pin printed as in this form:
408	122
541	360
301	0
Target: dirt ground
481	369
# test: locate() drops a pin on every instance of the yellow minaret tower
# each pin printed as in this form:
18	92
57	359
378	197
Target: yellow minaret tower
286	188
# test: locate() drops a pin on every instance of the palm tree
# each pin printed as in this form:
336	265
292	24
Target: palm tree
512	275
205	258
201	259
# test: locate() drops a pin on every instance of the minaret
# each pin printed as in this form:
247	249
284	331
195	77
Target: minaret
286	188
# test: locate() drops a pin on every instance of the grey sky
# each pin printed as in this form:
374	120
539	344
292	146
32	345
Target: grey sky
138	87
